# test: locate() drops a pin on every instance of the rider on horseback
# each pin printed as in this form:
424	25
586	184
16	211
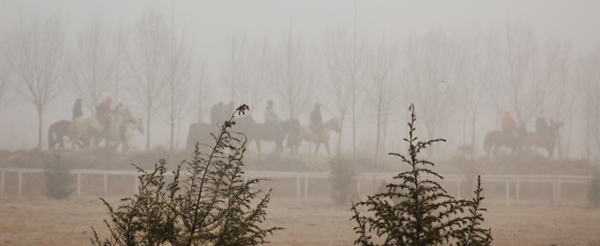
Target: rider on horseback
271	117
77	109
103	111
541	127
316	121
509	125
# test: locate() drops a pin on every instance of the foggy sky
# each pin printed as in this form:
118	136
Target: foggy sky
211	23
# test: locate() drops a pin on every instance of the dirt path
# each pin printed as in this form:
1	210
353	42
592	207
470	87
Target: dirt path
42	221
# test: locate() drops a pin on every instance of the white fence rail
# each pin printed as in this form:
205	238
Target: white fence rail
555	180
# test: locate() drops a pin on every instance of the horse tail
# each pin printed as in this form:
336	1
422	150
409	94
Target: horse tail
51	140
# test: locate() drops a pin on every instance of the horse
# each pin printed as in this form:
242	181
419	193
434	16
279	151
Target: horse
200	132
322	137
56	132
126	128
494	139
273	132
85	128
536	139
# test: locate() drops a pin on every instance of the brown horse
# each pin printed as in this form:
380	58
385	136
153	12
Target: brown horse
322	137
56	132
271	132
494	139
536	139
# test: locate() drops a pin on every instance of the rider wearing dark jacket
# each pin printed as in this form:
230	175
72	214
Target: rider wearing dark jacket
316	121
77	109
541	126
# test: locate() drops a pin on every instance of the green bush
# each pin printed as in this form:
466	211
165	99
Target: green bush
206	203
426	213
59	181
343	180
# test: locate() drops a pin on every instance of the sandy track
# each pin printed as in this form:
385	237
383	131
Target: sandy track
43	221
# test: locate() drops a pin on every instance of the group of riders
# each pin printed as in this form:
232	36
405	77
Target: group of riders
517	137
109	124
316	120
219	111
509	126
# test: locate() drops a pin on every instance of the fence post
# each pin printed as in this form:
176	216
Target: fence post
507	193
105	184
2	184
78	184
20	182
554	194
305	189
298	186
517	194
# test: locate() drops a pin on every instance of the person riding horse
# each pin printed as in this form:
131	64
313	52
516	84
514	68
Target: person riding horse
509	126
102	112
271	117
316	120
77	109
541	127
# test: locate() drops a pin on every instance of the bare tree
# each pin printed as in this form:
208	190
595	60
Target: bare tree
119	62
382	93
178	84
479	54
147	56
5	84
433	71
35	54
344	77
248	70
557	74
523	87
589	70
293	76
203	89
93	64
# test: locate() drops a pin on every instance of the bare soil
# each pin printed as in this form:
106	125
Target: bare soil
531	219
43	221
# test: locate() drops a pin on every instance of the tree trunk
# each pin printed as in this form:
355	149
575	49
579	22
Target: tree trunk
40	126
148	133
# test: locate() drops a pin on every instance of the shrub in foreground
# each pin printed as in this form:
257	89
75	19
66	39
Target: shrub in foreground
426	213
343	180
206	203
59	181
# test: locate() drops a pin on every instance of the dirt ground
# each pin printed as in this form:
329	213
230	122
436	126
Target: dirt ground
44	221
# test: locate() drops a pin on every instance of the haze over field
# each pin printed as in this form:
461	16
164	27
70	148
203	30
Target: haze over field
462	65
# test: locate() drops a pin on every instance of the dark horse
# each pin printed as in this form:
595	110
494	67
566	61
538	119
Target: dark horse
200	132
274	132
536	139
494	139
56	132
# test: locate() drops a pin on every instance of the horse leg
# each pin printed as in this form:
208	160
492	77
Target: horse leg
327	148
258	146
317	147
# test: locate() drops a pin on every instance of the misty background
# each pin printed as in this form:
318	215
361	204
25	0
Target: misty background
461	64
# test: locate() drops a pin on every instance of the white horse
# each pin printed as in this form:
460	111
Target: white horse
120	129
126	128
84	129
